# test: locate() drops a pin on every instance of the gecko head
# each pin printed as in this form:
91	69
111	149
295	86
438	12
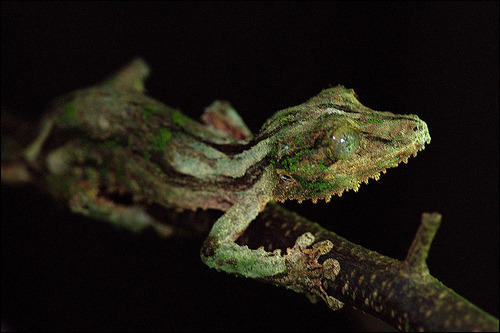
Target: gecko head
332	143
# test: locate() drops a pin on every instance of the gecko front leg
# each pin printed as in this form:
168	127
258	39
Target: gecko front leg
220	251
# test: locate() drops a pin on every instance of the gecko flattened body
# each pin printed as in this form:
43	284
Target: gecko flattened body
122	141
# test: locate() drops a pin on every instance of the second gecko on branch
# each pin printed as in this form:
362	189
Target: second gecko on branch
121	143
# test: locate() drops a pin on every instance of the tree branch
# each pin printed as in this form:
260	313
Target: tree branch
402	294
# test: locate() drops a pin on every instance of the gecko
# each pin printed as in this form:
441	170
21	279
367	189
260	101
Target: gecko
113	139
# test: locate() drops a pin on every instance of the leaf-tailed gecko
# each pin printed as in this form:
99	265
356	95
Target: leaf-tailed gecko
113	138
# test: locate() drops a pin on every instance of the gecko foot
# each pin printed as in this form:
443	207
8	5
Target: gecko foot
240	260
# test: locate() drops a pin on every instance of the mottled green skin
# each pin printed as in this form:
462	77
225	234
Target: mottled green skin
152	143
122	141
301	152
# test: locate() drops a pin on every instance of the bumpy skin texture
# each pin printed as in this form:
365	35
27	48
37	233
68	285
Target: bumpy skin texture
312	166
122	142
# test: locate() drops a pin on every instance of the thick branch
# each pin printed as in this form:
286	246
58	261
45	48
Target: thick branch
379	285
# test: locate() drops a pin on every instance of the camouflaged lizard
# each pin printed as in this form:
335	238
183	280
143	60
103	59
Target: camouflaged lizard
118	140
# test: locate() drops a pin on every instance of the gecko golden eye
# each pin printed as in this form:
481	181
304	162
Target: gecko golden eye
344	142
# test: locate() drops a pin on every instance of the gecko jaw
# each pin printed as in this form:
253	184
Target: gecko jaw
376	175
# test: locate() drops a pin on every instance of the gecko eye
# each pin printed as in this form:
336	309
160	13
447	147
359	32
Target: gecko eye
344	142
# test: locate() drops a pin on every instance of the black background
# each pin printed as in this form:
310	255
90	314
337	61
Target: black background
436	60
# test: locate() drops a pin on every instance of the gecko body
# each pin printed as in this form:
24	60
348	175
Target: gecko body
122	142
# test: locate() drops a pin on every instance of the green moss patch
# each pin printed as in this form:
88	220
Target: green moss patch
149	111
160	141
